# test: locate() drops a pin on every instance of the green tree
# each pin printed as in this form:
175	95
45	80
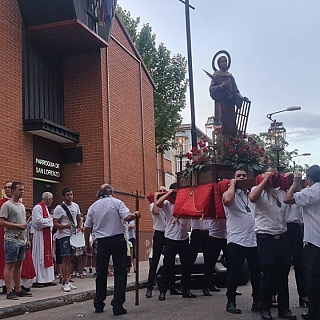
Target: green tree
169	75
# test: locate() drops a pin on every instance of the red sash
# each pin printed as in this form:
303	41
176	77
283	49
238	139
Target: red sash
48	259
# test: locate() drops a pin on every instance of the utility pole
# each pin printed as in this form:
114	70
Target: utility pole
192	107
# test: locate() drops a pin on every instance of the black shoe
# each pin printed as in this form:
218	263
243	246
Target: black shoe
303	303
97	310
162	296
38	285
50	284
265	314
25	289
308	316
23	293
188	294
214	288
149	293
238	293
255	306
286	314
232	308
12	296
206	292
119	311
175	292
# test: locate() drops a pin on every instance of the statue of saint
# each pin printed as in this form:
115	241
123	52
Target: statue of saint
223	89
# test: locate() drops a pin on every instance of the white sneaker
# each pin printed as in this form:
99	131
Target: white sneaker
84	273
71	286
66	287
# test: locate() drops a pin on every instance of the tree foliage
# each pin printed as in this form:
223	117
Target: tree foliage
169	75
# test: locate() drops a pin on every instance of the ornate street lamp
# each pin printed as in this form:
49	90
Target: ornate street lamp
299	155
277	132
277	135
214	125
180	137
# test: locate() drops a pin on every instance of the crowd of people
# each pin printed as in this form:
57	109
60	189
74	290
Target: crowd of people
263	225
36	245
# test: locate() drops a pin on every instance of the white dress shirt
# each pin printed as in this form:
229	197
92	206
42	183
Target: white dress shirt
294	214
309	200
240	222
200	224
176	229
218	228
269	217
105	217
159	220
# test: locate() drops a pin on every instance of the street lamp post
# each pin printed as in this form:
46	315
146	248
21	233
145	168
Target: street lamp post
214	124
180	138
191	90
277	132
299	155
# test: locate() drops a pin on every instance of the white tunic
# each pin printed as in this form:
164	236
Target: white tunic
200	224
159	220
43	274
309	200
240	222
176	229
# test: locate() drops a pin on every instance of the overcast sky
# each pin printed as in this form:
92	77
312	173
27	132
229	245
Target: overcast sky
274	47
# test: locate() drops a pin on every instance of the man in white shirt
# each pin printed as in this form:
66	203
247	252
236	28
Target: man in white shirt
309	200
273	245
199	239
159	226
241	239
176	241
105	220
294	222
42	224
66	226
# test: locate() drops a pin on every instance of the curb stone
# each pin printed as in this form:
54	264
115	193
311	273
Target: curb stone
50	303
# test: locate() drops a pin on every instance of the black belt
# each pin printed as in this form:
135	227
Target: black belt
271	236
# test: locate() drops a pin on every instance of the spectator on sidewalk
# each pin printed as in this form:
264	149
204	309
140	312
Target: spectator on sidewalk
42	224
16	240
8	194
66	219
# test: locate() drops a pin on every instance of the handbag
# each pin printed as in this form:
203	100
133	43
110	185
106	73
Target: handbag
195	202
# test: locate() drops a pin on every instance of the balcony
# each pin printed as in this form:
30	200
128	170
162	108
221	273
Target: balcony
66	26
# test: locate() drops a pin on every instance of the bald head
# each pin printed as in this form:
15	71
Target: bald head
106	190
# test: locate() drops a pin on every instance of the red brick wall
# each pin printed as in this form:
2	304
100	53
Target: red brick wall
111	81
16	153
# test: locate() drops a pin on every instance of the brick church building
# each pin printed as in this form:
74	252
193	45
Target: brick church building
76	104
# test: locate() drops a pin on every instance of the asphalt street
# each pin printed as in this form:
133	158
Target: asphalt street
174	307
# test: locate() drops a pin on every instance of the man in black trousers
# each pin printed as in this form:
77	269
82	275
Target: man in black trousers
105	221
273	245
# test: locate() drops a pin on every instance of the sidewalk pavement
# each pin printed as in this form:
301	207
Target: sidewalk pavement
51	297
